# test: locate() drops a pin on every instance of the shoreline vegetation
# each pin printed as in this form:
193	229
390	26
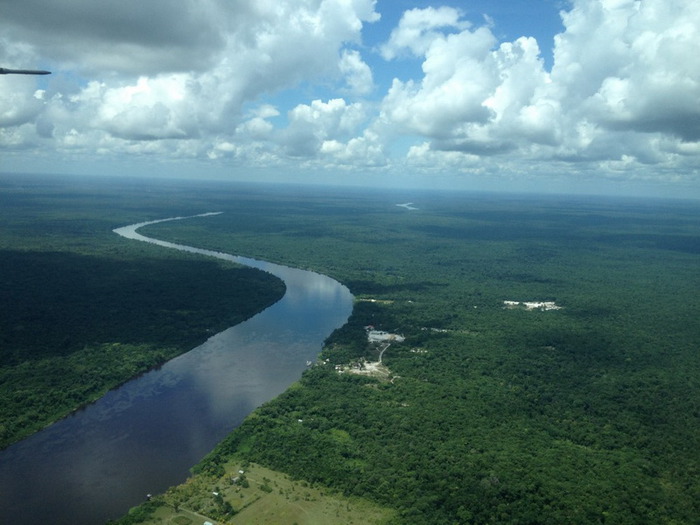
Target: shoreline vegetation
588	413
45	388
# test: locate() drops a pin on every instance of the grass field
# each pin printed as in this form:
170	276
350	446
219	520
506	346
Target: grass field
263	497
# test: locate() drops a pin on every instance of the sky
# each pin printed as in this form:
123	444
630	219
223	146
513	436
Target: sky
567	96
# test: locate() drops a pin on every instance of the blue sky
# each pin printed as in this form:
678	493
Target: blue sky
589	96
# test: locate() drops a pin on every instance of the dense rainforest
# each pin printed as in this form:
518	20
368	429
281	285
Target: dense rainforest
485	411
588	412
83	310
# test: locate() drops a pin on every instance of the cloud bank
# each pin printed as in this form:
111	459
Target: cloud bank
293	85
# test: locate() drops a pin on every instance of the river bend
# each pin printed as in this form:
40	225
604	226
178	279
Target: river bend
145	435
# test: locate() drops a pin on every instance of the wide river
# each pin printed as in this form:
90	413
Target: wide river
144	436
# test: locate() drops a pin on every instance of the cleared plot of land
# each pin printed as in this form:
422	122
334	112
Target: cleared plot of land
262	496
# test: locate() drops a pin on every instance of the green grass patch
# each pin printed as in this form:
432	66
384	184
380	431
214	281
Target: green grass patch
262	496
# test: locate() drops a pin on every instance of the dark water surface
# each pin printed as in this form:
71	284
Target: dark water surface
144	436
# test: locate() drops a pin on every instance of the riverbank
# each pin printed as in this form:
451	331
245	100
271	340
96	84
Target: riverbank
138	432
76	326
248	493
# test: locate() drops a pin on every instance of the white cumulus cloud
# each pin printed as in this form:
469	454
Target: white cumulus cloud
357	73
312	125
623	90
418	28
183	69
291	83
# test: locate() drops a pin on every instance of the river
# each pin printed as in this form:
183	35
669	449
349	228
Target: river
145	435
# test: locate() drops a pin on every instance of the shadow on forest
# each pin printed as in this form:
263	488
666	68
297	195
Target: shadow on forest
677	243
54	303
562	233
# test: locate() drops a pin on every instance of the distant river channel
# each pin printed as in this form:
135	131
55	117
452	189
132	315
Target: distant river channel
144	436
